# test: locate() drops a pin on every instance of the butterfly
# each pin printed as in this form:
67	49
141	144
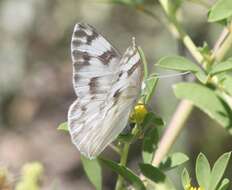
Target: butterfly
107	86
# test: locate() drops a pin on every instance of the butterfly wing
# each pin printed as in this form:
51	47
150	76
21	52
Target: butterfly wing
95	62
97	72
120	102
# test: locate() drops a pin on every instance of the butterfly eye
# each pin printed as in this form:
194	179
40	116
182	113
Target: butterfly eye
139	113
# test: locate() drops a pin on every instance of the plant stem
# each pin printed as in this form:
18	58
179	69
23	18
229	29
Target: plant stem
225	45
177	123
116	149
178	32
184	108
123	161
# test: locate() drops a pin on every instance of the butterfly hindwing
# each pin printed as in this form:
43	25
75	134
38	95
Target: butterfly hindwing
122	97
107	86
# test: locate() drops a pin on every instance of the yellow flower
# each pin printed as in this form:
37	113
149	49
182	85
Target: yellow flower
189	187
31	173
139	113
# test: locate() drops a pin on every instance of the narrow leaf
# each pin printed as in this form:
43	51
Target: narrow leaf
144	61
149	144
219	170
227	84
177	63
222	9
185	179
156	175
63	127
205	99
93	171
174	160
224	184
152	119
126	173
222	67
203	171
201	76
152	173
150	85
126	138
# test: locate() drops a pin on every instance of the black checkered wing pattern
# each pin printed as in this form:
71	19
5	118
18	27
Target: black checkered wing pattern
107	86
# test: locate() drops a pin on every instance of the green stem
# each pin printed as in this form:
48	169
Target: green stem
116	149
178	32
225	47
123	162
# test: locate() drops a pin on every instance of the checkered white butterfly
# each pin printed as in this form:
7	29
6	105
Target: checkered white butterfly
107	85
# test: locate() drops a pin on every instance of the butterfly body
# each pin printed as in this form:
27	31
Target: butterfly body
107	86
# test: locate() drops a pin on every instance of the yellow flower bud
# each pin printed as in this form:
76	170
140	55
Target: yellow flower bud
138	113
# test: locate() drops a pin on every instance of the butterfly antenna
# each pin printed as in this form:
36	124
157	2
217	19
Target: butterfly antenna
133	42
168	76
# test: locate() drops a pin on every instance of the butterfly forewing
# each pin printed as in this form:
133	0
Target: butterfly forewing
107	86
95	62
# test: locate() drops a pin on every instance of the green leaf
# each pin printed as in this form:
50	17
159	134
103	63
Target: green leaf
162	182
149	144
177	63
156	175
151	119
144	61
219	170
205	99
150	85
176	4
171	6
224	184
126	173
222	9
93	171
152	136
166	185
185	179
221	67
63	127
152	173
205	49
227	84
202	171
201	76
126	138
173	161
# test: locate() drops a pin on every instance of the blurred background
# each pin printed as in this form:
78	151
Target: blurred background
36	84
